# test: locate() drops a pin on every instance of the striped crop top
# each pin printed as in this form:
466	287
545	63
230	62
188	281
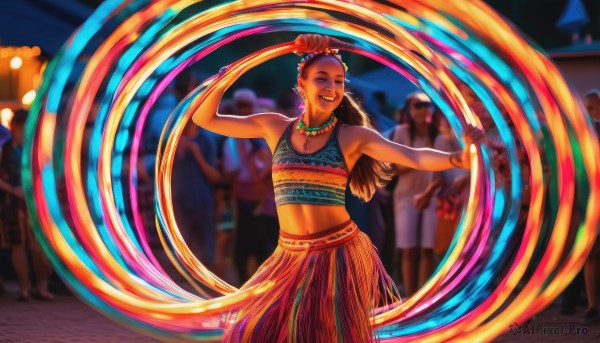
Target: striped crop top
319	178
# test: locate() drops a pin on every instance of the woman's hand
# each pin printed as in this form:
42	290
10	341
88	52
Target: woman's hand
472	135
307	43
422	200
311	43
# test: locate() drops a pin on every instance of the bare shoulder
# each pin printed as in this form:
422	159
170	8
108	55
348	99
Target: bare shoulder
275	121
353	139
274	125
362	130
270	121
357	133
272	117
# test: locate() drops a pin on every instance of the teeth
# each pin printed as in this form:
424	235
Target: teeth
327	98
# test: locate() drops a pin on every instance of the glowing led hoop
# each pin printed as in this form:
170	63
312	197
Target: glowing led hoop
475	293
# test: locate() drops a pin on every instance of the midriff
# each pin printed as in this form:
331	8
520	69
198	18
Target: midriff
303	219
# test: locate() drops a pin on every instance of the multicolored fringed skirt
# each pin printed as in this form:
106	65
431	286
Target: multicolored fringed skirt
327	285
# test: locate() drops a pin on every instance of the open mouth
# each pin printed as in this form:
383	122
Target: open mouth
327	98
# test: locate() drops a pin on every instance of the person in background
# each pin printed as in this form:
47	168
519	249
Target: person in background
413	209
266	211
590	270
4	187
240	159
16	221
194	173
453	193
224	209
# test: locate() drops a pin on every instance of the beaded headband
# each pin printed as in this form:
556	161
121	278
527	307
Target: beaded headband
310	56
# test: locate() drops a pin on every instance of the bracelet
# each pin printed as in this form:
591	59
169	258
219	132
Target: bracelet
452	162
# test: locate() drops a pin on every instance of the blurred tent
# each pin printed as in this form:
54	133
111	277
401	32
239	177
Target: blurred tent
574	17
45	23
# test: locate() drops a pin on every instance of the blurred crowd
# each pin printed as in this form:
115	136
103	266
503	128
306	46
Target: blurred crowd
224	203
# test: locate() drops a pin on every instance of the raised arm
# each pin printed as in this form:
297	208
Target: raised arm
371	143
258	125
252	126
399	169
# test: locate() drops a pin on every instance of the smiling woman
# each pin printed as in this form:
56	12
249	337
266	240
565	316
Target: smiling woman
329	279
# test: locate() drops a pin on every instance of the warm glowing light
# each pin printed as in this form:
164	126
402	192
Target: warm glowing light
6	115
16	63
5	52
28	97
36	51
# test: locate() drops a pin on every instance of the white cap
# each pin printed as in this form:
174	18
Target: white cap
244	94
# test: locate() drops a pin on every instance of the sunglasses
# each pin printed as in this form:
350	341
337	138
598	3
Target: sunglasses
422	104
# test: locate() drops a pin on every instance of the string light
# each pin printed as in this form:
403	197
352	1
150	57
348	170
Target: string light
16	62
6	115
28	98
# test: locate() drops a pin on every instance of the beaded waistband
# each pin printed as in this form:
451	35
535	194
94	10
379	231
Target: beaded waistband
325	239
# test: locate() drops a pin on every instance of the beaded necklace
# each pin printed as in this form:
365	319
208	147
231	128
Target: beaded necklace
313	131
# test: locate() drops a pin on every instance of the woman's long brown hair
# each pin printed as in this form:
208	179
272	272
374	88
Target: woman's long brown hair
368	173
